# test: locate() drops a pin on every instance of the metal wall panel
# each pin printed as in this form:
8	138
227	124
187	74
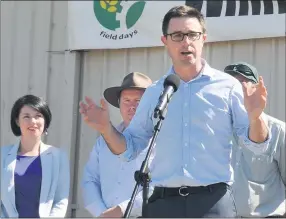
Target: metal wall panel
34	60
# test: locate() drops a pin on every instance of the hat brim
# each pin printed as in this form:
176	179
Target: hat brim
250	77
112	94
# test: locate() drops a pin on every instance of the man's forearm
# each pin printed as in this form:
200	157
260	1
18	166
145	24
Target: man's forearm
114	140
258	130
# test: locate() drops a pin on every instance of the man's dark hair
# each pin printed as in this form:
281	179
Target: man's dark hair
182	11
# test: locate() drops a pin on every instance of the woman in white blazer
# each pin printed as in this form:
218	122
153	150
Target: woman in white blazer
35	177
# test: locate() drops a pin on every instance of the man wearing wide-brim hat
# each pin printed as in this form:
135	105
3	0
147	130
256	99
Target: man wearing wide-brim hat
259	180
108	181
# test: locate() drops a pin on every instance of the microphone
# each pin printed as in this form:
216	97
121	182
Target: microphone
171	85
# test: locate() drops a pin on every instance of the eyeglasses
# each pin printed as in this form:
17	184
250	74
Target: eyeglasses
179	36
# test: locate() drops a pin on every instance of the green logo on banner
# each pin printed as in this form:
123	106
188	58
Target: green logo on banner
106	13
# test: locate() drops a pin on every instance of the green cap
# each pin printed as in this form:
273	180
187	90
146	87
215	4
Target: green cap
244	69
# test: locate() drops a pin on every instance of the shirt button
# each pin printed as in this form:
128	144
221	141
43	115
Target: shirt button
186	165
186	144
186	124
186	104
186	85
118	183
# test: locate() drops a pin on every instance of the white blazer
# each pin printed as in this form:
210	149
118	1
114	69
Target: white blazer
55	181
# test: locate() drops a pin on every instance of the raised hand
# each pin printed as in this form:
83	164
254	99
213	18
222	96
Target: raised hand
96	117
255	98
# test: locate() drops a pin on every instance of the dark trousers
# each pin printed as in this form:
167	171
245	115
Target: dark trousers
206	201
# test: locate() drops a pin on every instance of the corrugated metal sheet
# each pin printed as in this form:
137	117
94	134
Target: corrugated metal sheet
34	60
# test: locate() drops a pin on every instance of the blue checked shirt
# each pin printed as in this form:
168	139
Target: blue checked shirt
194	145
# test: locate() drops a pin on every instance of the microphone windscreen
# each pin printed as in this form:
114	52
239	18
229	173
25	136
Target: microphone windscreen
172	80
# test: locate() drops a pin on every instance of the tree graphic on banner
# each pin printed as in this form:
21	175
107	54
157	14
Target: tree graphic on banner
107	13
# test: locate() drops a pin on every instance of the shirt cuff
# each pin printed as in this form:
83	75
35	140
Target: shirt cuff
96	209
257	148
123	206
135	212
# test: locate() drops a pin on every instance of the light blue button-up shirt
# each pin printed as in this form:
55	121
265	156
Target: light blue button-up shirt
194	145
108	181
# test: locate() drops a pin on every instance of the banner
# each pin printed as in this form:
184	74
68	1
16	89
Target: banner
103	24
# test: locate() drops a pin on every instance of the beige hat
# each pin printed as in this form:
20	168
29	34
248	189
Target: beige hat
134	80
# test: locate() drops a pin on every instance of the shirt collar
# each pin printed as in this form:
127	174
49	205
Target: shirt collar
206	70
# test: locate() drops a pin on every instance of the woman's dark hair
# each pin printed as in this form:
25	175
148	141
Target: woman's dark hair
32	101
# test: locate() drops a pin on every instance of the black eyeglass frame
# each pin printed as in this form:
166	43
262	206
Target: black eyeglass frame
191	37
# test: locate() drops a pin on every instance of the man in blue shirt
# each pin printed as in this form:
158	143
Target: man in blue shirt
259	181
191	169
108	181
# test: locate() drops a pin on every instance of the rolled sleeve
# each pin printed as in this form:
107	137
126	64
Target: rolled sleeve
137	207
96	208
257	148
241	123
123	206
140	129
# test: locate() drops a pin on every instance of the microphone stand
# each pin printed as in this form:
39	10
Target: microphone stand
142	177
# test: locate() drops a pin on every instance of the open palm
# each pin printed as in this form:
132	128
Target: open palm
95	116
255	98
